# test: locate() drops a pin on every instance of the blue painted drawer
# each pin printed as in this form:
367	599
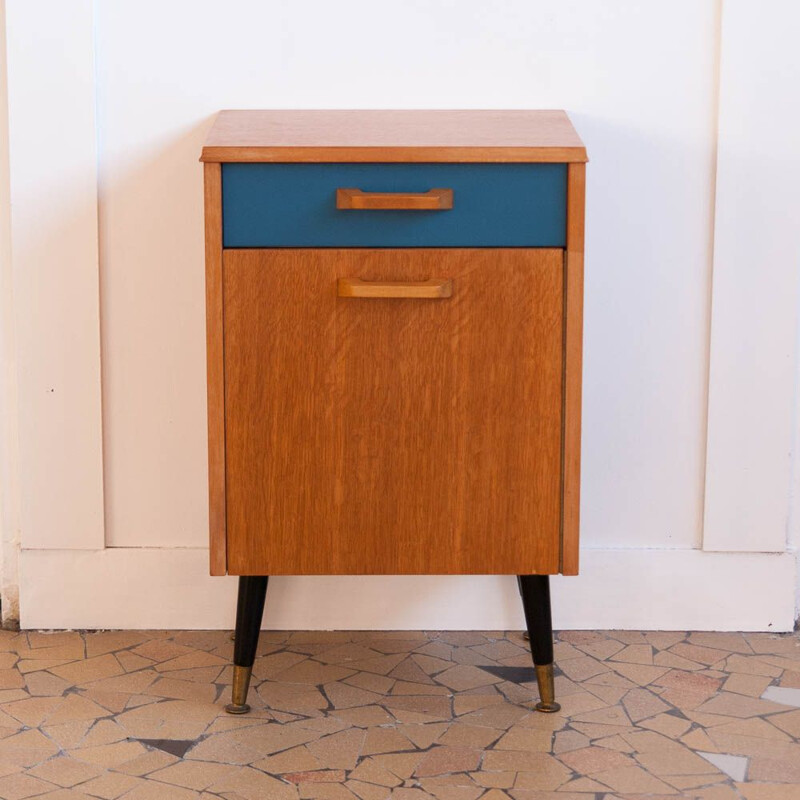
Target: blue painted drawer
294	205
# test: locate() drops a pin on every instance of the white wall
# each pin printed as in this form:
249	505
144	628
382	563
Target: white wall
641	87
142	80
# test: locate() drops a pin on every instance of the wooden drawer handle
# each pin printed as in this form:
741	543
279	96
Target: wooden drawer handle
430	289
432	200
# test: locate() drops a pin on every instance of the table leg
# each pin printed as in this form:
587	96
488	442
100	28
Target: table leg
535	591
249	611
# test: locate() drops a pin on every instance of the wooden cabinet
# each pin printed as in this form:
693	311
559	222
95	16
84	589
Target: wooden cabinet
394	351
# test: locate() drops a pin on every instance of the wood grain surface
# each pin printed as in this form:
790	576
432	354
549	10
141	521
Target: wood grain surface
430	289
394	436
387	136
573	367
432	200
215	367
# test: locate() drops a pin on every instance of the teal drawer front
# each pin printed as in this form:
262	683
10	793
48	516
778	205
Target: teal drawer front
294	205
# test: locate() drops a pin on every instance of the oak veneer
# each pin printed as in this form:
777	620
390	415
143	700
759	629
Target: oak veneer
393	436
215	369
386	136
573	363
429	289
432	200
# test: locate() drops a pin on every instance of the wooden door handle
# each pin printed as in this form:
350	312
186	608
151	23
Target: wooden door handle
430	289
432	200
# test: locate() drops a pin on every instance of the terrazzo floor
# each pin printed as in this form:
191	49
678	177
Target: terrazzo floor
407	715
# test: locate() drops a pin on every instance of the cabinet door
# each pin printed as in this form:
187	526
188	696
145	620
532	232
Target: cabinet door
375	435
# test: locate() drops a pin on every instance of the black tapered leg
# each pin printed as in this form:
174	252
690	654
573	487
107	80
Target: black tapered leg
249	611
535	591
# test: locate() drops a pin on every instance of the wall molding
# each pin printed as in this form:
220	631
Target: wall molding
640	589
756	282
55	271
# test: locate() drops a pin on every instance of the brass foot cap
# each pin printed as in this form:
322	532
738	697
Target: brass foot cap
548	708
237	708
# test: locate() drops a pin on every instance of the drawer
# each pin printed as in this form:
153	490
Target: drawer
295	205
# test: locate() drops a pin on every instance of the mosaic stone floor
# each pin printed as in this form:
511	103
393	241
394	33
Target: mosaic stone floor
408	716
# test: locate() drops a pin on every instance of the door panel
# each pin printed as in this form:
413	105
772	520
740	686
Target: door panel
369	435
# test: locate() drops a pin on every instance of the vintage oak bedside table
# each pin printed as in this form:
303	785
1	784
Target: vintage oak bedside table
394	315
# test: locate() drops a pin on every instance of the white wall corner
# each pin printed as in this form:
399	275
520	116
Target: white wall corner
9	487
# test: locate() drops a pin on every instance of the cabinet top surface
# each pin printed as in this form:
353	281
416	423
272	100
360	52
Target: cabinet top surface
391	136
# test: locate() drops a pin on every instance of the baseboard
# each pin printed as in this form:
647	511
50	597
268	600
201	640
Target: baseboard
617	589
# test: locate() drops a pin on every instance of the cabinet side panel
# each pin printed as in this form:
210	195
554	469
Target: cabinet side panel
215	368
573	358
